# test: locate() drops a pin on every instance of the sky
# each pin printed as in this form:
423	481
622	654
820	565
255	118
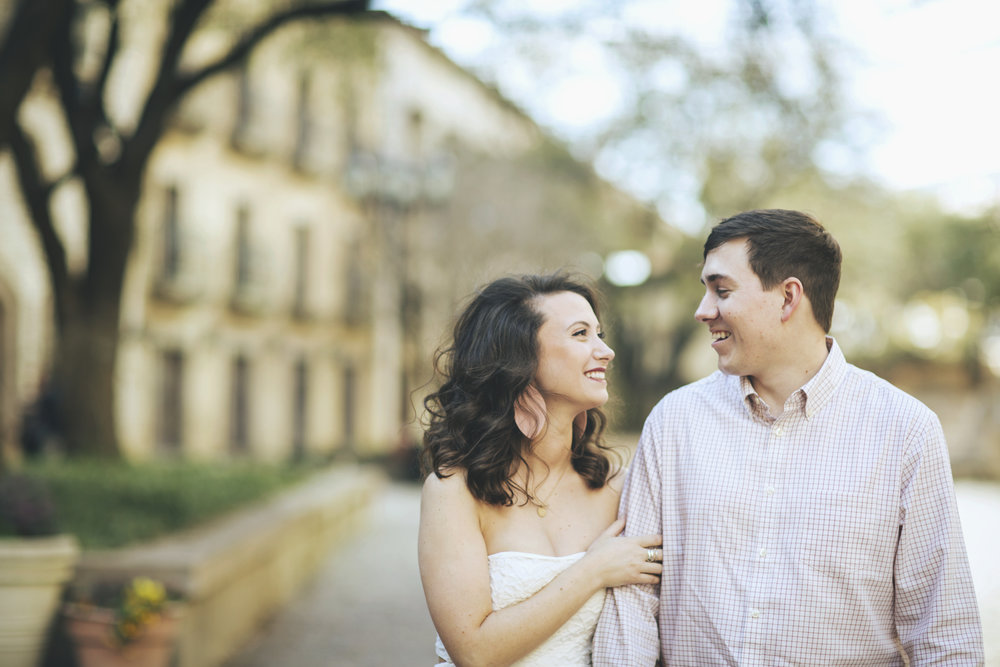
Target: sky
926	68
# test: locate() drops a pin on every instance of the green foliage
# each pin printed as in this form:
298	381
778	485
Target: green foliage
950	252
110	504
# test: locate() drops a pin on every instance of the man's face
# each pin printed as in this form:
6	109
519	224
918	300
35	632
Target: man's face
742	317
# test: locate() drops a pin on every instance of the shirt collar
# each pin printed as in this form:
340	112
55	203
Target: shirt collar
814	394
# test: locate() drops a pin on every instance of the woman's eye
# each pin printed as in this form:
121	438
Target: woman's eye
581	332
600	334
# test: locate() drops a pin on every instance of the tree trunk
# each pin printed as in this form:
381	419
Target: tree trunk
84	376
87	344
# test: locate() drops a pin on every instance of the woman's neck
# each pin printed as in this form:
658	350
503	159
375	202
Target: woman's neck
554	448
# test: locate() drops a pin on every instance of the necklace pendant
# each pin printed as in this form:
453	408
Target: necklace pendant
542	511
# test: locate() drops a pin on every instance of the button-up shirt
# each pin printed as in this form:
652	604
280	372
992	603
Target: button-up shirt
828	535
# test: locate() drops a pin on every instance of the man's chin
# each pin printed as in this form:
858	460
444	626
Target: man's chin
728	368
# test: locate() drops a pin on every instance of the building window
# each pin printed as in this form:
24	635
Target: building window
239	422
242	246
244	100
415	133
299	408
171	235
171	416
303	124
301	268
3	373
354	286
179	274
350	389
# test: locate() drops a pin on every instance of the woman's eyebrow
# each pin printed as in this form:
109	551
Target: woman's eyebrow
584	323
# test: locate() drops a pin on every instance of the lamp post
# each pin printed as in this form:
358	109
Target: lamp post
393	193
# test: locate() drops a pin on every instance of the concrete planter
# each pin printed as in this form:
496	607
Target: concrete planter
33	571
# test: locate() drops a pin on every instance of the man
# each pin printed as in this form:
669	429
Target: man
807	507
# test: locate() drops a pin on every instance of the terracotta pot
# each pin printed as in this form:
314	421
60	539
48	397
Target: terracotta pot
90	629
33	571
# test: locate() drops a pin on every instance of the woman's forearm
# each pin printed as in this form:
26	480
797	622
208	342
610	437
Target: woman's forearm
507	635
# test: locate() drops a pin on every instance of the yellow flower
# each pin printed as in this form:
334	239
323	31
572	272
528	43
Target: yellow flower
149	590
142	601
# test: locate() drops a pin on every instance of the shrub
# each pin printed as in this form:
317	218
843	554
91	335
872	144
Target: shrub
112	504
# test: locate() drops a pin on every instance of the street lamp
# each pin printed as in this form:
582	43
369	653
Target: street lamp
392	191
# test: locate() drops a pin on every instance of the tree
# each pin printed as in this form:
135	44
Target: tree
46	38
698	128
702	127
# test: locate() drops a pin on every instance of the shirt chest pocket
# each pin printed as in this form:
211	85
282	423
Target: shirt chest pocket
844	534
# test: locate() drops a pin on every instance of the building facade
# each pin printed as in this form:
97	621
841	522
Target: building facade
307	228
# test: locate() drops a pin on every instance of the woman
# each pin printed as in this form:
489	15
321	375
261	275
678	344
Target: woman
518	537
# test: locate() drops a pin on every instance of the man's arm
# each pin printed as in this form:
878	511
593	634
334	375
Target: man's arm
936	613
627	631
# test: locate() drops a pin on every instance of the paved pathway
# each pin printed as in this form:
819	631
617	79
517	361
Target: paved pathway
366	607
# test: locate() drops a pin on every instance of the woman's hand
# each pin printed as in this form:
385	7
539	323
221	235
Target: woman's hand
625	560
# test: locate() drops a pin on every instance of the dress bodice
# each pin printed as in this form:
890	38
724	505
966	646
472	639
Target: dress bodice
515	576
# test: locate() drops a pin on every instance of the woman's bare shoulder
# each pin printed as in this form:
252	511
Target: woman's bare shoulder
449	488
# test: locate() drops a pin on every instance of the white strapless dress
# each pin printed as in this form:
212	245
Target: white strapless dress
516	576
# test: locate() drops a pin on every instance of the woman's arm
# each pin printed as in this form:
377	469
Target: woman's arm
454	568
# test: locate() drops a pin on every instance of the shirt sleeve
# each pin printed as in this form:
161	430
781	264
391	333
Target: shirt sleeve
627	630
937	617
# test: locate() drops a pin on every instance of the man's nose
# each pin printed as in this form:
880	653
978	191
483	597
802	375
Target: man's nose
706	309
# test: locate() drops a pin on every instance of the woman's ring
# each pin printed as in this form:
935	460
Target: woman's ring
651	555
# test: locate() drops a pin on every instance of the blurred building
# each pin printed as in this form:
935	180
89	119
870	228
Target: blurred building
308	226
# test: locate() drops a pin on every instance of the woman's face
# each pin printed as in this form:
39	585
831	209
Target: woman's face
572	355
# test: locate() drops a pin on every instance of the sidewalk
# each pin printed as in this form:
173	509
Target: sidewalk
366	606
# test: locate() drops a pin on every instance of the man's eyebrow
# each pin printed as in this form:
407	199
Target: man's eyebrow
713	278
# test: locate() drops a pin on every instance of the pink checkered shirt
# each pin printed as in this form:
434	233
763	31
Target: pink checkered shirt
817	538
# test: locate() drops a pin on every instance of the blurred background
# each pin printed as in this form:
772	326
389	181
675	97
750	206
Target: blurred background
238	230
241	229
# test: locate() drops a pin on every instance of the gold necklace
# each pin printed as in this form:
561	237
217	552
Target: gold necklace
542	506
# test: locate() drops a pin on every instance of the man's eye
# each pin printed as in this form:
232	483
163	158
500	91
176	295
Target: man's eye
723	293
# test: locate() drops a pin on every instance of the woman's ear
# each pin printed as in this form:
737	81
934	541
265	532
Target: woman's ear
529	412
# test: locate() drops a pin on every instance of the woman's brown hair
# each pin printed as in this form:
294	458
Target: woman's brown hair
491	360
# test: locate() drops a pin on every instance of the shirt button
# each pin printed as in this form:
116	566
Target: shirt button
769	490
755	613
763	553
779	431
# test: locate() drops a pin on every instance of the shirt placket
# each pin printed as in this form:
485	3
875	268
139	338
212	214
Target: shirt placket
769	454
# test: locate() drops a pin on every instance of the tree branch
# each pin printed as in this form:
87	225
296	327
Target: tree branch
357	8
79	117
23	52
114	43
136	150
36	195
170	87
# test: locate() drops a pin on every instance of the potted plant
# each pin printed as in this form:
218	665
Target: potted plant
114	625
36	561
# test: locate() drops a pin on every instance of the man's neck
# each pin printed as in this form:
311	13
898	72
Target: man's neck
800	365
